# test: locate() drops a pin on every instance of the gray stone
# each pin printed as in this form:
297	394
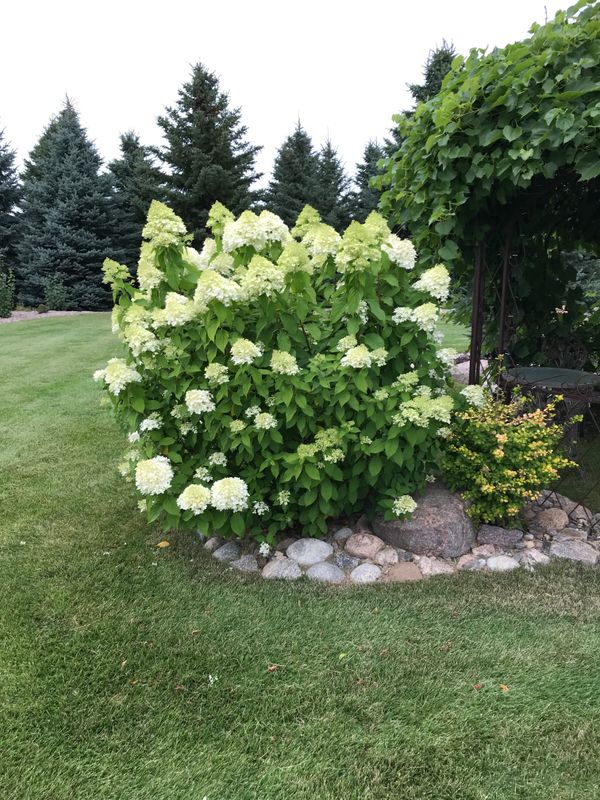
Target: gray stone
363	525
213	544
282	569
484	550
227	552
434	566
309	551
364	545
366	573
404	555
346	561
531	559
470	563
386	557
202	538
325	572
549	520
245	563
286	542
438	527
569	533
403	572
573	550
502	563
342	534
502	537
529	537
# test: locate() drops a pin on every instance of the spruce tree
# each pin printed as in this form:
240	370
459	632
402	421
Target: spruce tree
294	180
365	198
332	189
206	153
136	182
10	193
65	221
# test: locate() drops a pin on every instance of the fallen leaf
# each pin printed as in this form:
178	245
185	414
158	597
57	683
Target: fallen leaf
164	543
446	646
477	686
133	682
179	687
504	688
273	667
360	681
123	664
195	631
342	656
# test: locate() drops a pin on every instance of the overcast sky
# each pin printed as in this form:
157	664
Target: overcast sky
340	66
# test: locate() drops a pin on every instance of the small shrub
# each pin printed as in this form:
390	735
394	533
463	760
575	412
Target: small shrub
7	293
42	308
55	292
502	455
277	379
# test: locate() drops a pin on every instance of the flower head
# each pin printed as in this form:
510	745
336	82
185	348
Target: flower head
117	374
217	459
194	498
229	494
214	286
295	258
243	351
434	281
199	401
265	421
178	309
163	227
140	340
403	505
346	343
216	374
218	218
262	277
357	357
284	363
260	508
474	395
400	251
148	274
153	475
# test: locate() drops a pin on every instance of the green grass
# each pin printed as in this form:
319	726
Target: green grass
107	643
455	335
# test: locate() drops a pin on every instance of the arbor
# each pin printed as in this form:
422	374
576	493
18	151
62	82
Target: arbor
332	188
365	197
294	180
136	182
9	197
207	156
65	224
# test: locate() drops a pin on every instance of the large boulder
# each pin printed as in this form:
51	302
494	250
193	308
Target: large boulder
438	527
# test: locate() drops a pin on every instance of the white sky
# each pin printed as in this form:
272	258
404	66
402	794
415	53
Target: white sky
341	66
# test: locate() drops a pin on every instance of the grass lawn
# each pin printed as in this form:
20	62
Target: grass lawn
107	643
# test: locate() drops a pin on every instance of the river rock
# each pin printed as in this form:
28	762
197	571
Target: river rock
282	569
574	550
346	561
434	566
501	537
213	544
438	527
247	563
502	563
325	572
342	534
386	557
403	572
484	550
364	545
227	552
365	573
309	551
470	563
549	520
531	559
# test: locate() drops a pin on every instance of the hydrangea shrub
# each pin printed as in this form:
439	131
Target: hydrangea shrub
277	378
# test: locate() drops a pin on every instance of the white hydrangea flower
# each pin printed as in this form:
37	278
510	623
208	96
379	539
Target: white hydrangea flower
222	263
366	439
133	437
201	260
474	395
426	317
159	317
283	497
357	357
260	508
333	456
153	475
264	549
400	251
214	286
198	401
381	394
148	275
99	375
229	494
242	232
402	314
346	343
194	498
140	340
202	474
363	312
252	411
164	228
243	351
284	363
272	227
294	258
403	505
435	281
265	421
237	425
262	277
216	374
321	241
406	381
136	314
217	459
142	506
379	356
117	375
447	355
444	433
151	423
178	309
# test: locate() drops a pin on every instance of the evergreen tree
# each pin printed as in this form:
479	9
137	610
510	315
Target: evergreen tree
10	193
136	182
332	189
206	154
65	221
294	180
365	198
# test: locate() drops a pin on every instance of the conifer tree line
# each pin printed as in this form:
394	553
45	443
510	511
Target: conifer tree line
67	210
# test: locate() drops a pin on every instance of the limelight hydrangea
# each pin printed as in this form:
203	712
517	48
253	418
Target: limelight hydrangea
447	355
265	421
403	505
260	508
222	263
151	423
237	425
284	363
295	258
357	357
216	374
321	241
379	356
140	340
178	309
333	456
306	219
400	251
474	395
360	247
426	317
214	286
164	228
194	498
252	411
133	437
346	343
198	401
117	375
153	475
196	259
243	351
406	381
261	277
381	394
423	409
218	218
254	231
202	474
148	275
283	498
434	281
217	459
229	494
272	227
402	314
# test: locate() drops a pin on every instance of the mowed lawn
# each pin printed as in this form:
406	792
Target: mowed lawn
129	672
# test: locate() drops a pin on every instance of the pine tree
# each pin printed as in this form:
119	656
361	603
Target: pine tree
65	220
332	189
294	180
365	198
136	182
206	154
10	193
